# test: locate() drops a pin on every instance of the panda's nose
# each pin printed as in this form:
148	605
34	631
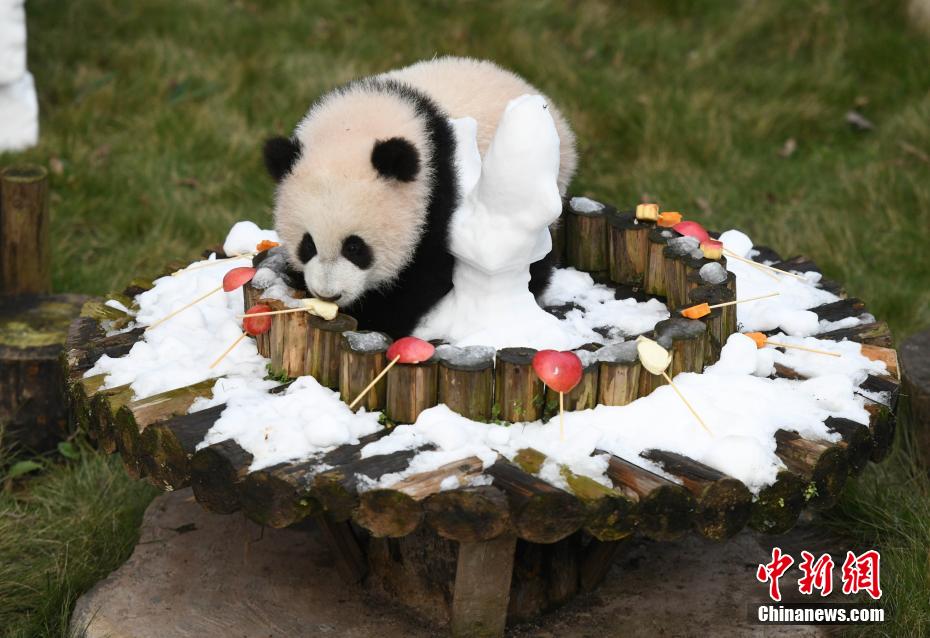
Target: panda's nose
332	299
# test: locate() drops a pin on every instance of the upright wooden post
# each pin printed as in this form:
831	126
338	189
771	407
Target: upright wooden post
482	588
24	250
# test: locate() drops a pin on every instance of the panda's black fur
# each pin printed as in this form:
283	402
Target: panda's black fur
427	277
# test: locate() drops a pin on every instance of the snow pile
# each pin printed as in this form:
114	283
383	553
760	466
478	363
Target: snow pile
179	351
742	409
305	420
789	310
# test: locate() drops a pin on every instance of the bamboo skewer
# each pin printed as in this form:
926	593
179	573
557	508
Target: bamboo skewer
733	303
804	348
228	350
733	255
689	406
212	263
183	308
373	381
561	416
276	312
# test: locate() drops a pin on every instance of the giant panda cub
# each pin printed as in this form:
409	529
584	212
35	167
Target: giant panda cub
367	185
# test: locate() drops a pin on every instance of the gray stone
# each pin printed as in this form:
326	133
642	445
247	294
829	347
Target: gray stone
198	574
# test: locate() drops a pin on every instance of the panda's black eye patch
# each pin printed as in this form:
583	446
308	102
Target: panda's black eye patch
307	249
357	251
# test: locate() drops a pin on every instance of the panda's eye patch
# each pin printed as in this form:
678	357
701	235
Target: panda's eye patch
357	251
307	249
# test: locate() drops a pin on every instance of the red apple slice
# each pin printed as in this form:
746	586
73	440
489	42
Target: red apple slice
561	371
238	277
410	350
712	248
691	229
257	325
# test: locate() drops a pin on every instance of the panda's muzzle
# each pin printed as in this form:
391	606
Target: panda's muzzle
332	299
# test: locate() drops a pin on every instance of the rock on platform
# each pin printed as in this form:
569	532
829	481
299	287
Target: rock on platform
198	574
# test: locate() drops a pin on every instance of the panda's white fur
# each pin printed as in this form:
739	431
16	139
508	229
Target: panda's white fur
330	187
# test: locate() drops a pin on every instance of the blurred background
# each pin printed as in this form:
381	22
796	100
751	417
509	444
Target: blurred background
804	123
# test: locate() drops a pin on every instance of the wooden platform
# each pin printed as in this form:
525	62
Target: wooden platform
474	558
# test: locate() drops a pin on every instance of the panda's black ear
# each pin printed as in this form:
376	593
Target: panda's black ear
281	153
396	158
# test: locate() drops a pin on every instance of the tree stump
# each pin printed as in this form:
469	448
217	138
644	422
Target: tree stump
24	253
32	399
915	394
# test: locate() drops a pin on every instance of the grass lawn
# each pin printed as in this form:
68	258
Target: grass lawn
153	114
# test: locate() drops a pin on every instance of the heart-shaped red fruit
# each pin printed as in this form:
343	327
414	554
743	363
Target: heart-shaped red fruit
410	350
237	277
561	371
257	325
691	229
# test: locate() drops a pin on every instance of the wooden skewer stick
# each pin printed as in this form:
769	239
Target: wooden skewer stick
275	312
212	263
561	416
183	308
690	407
733	303
733	255
760	267
804	348
228	350
373	381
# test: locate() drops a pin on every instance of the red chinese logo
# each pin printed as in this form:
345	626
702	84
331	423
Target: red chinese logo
859	573
771	572
817	575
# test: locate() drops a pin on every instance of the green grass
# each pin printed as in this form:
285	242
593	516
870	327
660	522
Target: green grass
153	113
60	533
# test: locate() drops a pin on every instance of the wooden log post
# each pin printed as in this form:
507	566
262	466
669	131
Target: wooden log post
824	466
363	359
482	588
166	447
665	509
412	388
25	260
857	441
583	396
519	394
134	416
586	235
469	514
628	245
778	506
397	510
619	371
610	512
466	381
686	339
654	282
541	513
596	560
915	368
104	406
723	503
337	489
721	322
876	333
324	343
216	472
281	495
557	232
288	341
250	297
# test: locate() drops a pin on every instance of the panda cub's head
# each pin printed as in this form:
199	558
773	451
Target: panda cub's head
354	186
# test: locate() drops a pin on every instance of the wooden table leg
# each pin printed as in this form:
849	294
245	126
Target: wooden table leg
350	558
482	588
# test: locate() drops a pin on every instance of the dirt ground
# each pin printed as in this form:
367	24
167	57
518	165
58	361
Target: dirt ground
200	574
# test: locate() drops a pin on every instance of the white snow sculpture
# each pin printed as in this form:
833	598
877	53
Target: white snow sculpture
501	227
19	109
